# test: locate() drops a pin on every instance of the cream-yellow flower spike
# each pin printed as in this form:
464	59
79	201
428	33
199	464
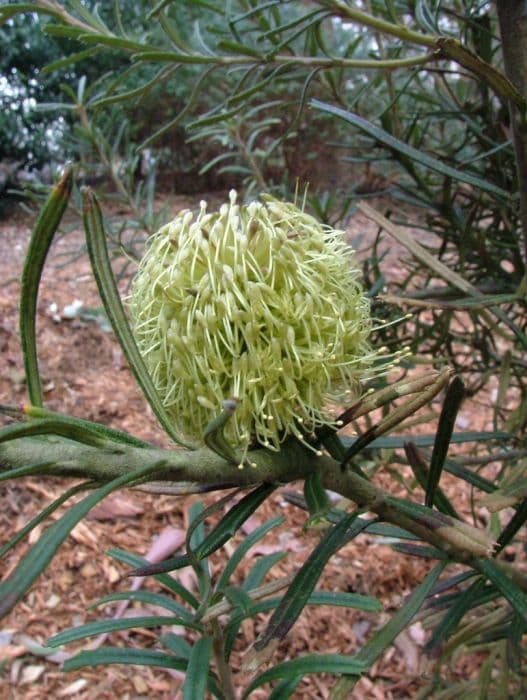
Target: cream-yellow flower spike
258	302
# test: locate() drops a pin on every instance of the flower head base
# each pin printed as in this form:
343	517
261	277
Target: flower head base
258	302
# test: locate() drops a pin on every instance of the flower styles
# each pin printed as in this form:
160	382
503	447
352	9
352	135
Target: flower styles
258	302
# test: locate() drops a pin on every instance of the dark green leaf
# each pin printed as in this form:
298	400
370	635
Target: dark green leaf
261	568
335	664
171	583
410	152
41	239
316	497
102	270
195	684
445	428
32	524
90	629
39	556
221	534
465	601
305	580
156	599
242	549
506	586
176	644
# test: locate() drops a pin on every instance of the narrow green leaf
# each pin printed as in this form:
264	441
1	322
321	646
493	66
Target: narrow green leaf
48	510
221	534
345	600
27	470
421	471
52	426
113	42
63	30
261	568
136	657
394	442
91	629
70	59
231	47
242	549
195	684
147	597
469	476
176	644
316	497
102	270
507	587
285	689
410	152
336	664
172	57
39	556
451	405
238	598
128	656
382	639
517	521
415	550
464	602
39	245
304	582
171	583
98	428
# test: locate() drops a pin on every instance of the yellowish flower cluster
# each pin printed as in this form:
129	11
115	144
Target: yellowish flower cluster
258	302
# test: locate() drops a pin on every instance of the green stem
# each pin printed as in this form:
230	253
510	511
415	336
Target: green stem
224	672
288	60
342	9
292	463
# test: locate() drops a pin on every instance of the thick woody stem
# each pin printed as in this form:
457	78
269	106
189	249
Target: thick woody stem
203	466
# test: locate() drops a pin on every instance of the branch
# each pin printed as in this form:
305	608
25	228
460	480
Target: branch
66	458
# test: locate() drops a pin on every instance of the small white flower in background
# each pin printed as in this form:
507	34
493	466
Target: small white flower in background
72	310
260	302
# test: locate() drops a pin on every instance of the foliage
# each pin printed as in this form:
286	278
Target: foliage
415	91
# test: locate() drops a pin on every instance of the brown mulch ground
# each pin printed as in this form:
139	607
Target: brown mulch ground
85	374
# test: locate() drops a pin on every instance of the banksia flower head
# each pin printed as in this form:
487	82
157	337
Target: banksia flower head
257	302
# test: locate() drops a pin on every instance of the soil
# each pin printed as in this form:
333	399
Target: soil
84	374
